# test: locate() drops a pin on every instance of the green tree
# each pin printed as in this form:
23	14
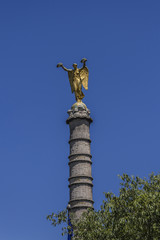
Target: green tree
132	215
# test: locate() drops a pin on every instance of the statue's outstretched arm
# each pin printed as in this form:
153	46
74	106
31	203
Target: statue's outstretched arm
61	65
66	69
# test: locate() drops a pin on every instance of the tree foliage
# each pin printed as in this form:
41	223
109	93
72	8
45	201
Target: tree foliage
132	215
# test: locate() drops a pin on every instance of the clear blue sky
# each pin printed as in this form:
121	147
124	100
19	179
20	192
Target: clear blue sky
121	40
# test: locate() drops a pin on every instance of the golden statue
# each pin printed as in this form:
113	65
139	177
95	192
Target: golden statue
77	78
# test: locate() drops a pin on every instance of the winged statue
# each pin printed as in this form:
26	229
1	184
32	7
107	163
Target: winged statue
78	77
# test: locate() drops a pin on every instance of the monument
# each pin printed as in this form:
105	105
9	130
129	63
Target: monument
79	120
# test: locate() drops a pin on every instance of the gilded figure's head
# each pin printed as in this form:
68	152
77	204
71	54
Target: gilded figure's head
74	65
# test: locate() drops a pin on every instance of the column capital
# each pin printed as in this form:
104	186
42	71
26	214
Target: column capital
79	110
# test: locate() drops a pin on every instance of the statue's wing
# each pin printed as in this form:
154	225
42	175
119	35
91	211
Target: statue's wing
70	75
84	77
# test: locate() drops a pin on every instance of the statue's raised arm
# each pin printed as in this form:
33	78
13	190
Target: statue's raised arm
77	78
84	74
84	60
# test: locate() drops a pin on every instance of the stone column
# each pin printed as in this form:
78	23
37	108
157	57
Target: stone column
80	177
